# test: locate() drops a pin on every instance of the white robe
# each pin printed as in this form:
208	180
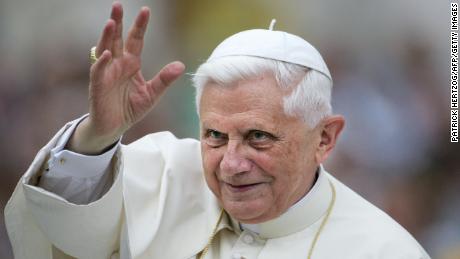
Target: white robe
159	206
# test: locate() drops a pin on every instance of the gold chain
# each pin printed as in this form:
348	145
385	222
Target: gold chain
203	252
323	223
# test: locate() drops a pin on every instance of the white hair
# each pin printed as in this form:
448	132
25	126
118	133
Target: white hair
309	100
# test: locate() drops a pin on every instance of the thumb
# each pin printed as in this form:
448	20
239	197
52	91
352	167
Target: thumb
97	70
168	74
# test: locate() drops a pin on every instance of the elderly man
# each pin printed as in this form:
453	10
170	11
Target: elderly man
253	187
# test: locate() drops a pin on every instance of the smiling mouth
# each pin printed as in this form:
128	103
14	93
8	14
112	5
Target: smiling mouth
242	187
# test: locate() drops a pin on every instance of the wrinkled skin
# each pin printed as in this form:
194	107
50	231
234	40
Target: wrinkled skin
257	160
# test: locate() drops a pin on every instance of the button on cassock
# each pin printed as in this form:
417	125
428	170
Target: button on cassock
237	256
248	239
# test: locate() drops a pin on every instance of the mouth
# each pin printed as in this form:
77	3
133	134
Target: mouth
242	187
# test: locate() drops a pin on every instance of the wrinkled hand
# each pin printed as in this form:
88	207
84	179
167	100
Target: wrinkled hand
118	93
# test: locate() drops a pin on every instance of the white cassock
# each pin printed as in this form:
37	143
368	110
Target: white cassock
159	206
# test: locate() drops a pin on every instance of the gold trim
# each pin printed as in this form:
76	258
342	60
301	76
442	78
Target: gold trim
203	252
323	223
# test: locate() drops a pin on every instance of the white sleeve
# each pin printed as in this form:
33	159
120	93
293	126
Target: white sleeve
78	178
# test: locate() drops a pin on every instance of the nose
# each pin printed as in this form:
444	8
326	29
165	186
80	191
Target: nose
234	160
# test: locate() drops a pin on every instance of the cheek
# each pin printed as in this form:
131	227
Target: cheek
211	158
275	160
272	165
211	161
266	161
282	164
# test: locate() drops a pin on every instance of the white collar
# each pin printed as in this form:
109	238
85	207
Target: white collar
299	216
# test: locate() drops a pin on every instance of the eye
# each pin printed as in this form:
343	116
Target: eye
260	139
259	135
215	138
215	134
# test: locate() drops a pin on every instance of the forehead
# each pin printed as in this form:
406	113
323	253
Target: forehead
255	102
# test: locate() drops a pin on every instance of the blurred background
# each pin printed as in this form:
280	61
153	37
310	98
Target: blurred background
389	60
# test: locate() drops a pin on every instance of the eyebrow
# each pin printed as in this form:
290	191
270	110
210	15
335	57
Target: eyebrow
253	125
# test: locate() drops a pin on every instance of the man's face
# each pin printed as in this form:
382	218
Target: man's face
257	160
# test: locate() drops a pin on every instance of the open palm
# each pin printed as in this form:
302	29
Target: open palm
119	94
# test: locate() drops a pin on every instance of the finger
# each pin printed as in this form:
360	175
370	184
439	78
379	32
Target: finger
117	16
106	40
135	40
98	68
168	74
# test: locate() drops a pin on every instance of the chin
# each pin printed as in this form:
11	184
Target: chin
250	212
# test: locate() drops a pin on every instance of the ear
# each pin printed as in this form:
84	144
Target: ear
330	128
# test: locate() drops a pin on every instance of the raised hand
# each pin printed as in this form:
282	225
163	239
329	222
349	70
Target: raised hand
118	93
